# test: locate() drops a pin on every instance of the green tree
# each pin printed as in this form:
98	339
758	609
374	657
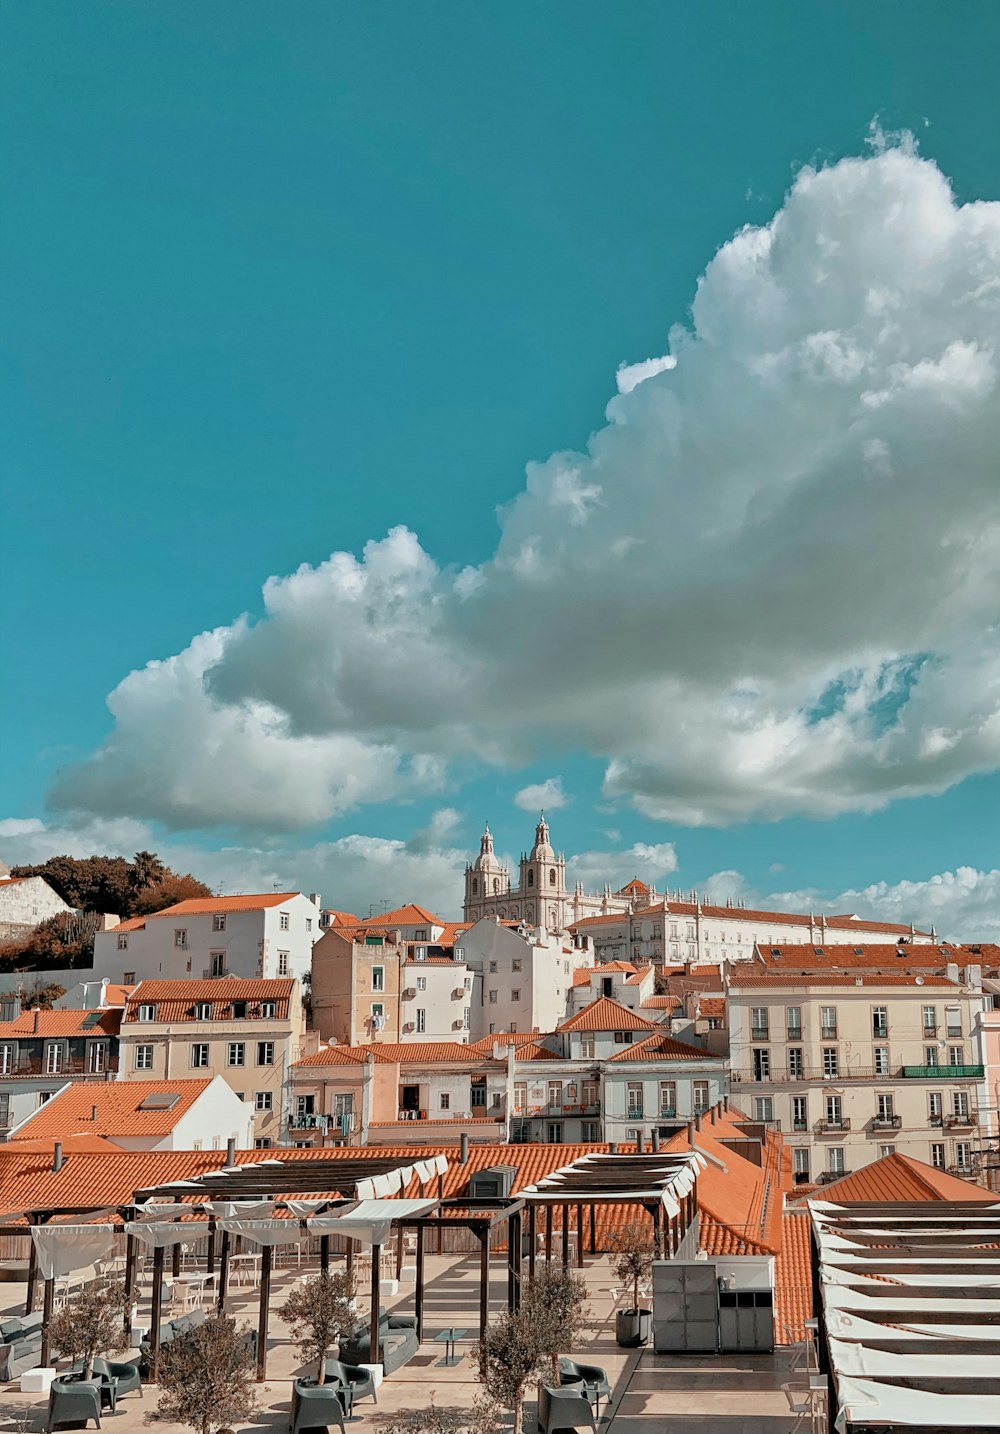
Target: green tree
89	1324
554	1303
509	1357
205	1377
632	1255
61	941
318	1312
482	1418
112	884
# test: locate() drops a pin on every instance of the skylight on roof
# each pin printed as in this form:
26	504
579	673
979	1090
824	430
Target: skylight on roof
159	1100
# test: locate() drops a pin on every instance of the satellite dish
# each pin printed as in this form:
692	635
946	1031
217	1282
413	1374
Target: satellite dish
920	980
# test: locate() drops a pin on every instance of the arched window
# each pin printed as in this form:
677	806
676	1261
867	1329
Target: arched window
529	911
503	913
513	913
496	885
531	878
552	876
475	887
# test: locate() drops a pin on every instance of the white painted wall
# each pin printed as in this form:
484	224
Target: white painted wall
28	900
444	1012
544	980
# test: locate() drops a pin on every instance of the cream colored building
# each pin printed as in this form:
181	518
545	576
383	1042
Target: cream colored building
250	1033
857	1062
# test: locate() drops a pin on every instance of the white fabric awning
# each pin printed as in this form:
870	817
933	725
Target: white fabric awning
866	1401
370	1221
265	1232
62	1248
241	1209
159	1234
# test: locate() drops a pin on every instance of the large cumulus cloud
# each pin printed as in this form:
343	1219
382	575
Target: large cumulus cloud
770	586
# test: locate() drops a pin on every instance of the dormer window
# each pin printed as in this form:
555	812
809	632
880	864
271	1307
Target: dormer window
147	1013
239	1010
203	1011
268	1010
420	934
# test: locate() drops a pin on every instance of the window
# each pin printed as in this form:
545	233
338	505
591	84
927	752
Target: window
885	1150
960	1103
930	1055
493	968
283	921
144	1058
203	1011
219	922
552	876
793	1022
935	1108
421	983
937	1157
930	1020
263	1100
445	1100
881	1060
265	1053
421	1015
953	1020
761	1063
758	1023
884	1108
378	978
420	953
623	1038
459	953
467	1018
831	1064
236	1053
531	878
634	1100
147	1013
180	937
699	1090
800	1166
834	1112
515	965
956	1055
282	963
668	1097
199	1056
128	978
828	1020
880	1021
492	998
5	1120
6	1060
53	1058
835	1160
763	1108
217	963
587	1047
123	943
268	1010
309	925
555	1136
795	1063
963	1155
515	994
520	1094
262	1142
799	1120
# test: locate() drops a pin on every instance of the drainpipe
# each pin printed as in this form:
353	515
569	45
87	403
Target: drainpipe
509	1092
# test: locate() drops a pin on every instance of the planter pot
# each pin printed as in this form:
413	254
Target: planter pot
632	1328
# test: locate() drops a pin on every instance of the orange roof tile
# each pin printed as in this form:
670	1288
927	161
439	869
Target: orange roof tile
793	1292
71	1109
661	1003
663	1048
409	915
604	1014
504	1038
116	994
133	923
400	1053
339	918
901	1177
882	956
743	913
175	1000
102	1022
711	1005
755	979
207	905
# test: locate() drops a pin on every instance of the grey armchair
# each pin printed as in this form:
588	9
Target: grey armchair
592	1376
565	1408
361	1382
125	1373
72	1400
317	1406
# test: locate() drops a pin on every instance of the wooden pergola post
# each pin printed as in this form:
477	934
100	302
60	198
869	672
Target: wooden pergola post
420	1283
48	1300
32	1276
265	1297
210	1257
484	1280
154	1319
130	1253
399	1252
565	1236
376	1297
175	1259
579	1237
593	1228
324	1254
532	1238
223	1273
548	1231
657	1213
514	1263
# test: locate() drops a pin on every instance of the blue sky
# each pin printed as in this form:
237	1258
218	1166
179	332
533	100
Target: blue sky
282	279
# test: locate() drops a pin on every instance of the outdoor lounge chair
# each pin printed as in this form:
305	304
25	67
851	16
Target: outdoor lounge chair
592	1376
361	1382
73	1400
124	1373
565	1408
316	1406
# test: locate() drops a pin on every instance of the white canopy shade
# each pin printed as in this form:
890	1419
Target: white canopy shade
61	1248
158	1234
370	1221
866	1401
265	1232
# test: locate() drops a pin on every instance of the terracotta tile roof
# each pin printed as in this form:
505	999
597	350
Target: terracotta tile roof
882	956
117	995
900	1177
533	1051
118	1113
401	1053
755	979
711	1005
453	931
505	1038
743	913
208	905
134	923
339	918
661	1003
604	1014
583	974
102	1022
409	915
435	961
662	1048
175	1000
635	887
793	1295
743	1197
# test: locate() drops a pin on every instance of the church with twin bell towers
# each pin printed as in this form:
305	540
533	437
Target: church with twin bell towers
540	897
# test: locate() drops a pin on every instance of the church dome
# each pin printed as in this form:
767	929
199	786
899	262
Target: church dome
486	860
542	850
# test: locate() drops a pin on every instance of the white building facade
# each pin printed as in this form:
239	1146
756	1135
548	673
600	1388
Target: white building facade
26	901
522	980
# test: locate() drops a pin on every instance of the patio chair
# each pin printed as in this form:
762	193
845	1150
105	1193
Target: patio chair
361	1382
123	1372
73	1400
592	1376
565	1408
316	1406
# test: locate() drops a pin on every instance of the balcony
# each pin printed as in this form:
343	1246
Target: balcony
561	1112
832	1127
957	1120
794	1033
886	1122
810	1073
964	1172
942	1072
826	1176
930	1030
28	1069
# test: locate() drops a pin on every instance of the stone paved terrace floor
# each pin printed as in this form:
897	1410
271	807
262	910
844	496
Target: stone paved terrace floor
653	1394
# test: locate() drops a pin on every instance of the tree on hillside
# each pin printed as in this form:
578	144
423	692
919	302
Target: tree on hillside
167	891
112	884
66	940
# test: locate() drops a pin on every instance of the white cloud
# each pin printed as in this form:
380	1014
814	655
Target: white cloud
630	375
651	863
542	796
962	905
769	586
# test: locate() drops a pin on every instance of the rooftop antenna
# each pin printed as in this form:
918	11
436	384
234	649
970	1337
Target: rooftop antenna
371	909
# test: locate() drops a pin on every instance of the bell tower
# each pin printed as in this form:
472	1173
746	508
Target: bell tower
487	881
543	882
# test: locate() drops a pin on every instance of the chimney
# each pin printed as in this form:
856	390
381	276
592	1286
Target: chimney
93	1113
34	1025
315	898
57	1157
463	1150
691	1129
231	1151
654	1142
712	1114
613	1147
697	1120
639	1147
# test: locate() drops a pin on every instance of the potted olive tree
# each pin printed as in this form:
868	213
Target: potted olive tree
632	1261
90	1324
319	1312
